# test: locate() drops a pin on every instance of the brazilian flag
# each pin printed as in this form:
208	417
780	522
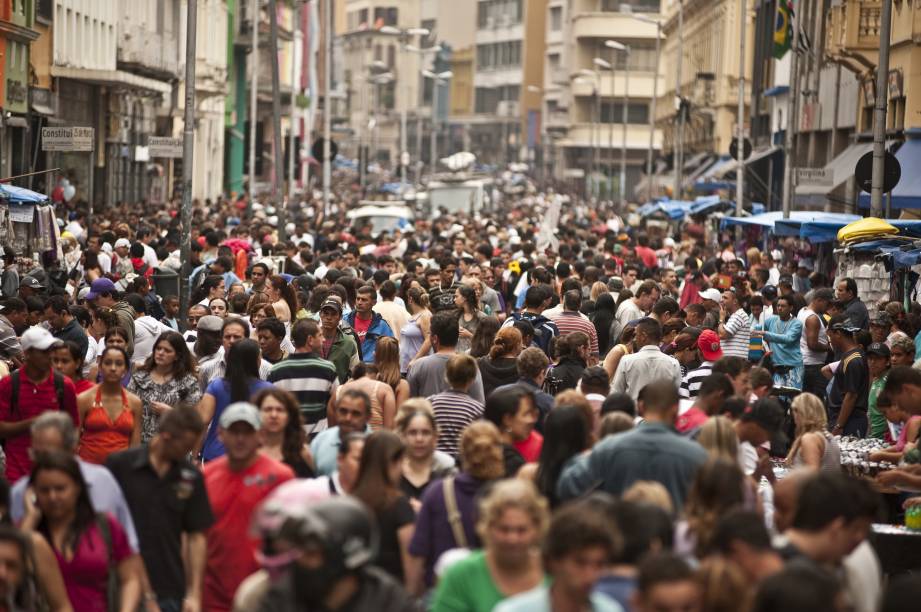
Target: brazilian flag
783	28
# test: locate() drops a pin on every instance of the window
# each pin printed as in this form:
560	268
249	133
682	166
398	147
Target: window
44	9
428	41
499	55
391	56
385	15
486	100
556	18
612	112
636	6
362	18
553	60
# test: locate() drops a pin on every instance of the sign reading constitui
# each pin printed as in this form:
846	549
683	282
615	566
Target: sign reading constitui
68	138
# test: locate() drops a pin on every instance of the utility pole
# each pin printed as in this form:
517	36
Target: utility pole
679	125
740	119
277	188
188	157
433	144
651	175
623	132
789	137
253	102
879	111
294	90
327	107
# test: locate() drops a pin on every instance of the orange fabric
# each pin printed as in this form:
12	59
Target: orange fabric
101	437
241	262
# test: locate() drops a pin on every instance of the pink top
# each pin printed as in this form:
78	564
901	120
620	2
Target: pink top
903	435
86	575
530	447
690	420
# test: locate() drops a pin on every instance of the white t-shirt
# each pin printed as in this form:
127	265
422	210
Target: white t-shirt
811	357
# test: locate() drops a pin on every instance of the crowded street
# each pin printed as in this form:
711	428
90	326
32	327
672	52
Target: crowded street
352	309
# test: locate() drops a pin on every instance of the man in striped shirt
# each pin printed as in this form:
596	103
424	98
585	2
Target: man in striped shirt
311	379
454	408
570	320
708	344
735	326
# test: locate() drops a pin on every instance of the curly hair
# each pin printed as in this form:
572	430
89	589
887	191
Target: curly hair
506	342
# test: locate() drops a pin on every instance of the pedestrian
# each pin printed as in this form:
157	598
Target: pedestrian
427	375
312	379
514	413
68	360
579	545
338	347
568	434
710	351
855	310
850	387
813	447
238	384
352	414
236	484
233	330
63	324
387	363
735	326
415	340
531	366
573	352
571	321
89	547
784	334
167	497
282	432
647	364
378	486
168	378
447	516
512	520
271	335
110	416
422	463
454	409
652	451
27	393
666	582
368	325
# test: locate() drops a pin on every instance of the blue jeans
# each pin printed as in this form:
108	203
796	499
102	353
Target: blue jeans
857	424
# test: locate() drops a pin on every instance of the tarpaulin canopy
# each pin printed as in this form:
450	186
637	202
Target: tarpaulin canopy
713	177
21	195
907	193
769	219
823	227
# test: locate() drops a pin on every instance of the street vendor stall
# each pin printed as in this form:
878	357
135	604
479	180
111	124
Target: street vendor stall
27	221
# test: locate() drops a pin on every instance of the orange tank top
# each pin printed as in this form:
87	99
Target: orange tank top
101	436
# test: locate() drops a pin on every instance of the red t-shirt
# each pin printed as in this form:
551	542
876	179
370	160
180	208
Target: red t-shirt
234	496
86	575
690	420
530	447
33	401
361	327
647	255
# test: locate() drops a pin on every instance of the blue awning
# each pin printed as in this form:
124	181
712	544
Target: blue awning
823	227
775	222
20	195
776	91
907	194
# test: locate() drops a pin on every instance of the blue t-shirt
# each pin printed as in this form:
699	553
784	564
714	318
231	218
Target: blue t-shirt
220	389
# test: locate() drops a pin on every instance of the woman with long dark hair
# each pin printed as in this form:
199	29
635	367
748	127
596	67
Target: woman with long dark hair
87	545
513	411
378	486
67	360
470	316
567	433
283	298
168	378
239	383
422	463
481	343
110	415
282	431
602	319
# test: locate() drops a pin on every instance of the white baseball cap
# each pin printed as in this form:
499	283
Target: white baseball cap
37	338
240	412
711	294
123	242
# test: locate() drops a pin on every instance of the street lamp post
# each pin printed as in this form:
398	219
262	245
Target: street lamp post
438	80
593	77
655	94
613	45
404	35
602	64
543	130
679	123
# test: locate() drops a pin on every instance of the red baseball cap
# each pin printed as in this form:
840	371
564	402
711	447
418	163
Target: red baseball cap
709	345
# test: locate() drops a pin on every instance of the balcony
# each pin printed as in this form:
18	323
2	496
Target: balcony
640	86
852	34
580	135
610	25
558	120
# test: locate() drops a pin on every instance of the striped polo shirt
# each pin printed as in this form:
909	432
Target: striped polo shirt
454	411
311	379
690	382
739	328
568	322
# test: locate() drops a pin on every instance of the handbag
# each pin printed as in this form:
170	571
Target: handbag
113	587
454	515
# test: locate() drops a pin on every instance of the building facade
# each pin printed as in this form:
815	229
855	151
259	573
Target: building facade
588	85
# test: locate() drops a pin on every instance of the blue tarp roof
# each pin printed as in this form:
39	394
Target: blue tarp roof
21	195
677	209
907	194
797	217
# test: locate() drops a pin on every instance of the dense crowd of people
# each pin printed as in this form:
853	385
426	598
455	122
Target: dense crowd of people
457	416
